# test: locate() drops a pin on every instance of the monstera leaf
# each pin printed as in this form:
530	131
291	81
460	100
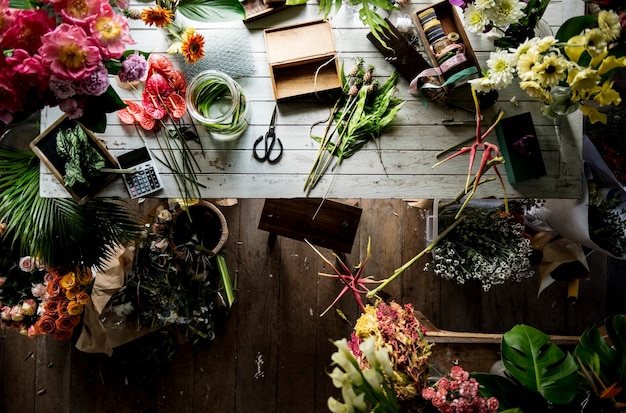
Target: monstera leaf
539	365
602	362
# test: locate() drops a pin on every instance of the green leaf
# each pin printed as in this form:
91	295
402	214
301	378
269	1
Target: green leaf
22	4
212	10
539	365
575	26
607	361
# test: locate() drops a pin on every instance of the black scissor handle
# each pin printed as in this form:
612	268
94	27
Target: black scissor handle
267	148
280	151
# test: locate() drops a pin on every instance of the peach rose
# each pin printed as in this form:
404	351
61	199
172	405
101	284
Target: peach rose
29	307
62	309
5	313
16	313
38	290
52	306
53	289
83	297
64	323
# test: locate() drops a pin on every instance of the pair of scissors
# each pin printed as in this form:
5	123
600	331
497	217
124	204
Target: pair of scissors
269	141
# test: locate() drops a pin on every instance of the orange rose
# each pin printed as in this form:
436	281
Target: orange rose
52	306
83	276
68	280
74	308
83	297
53	289
65	323
45	325
62	309
62	335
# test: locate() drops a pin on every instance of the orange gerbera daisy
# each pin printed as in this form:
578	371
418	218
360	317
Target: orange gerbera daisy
159	16
193	47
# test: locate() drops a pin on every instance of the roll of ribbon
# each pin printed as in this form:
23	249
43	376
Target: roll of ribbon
431	24
453	36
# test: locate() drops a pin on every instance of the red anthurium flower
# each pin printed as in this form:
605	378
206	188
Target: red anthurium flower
176	106
160	64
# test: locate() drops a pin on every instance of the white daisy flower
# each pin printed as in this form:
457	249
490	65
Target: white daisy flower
506	12
475	19
501	68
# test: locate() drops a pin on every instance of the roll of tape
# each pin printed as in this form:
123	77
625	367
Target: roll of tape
453	36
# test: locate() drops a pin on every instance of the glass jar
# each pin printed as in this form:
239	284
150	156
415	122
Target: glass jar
218	103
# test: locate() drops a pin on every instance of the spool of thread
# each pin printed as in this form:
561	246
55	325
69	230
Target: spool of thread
404	24
453	36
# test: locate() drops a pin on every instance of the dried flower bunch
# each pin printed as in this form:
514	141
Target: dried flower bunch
61	54
489	246
572	71
385	363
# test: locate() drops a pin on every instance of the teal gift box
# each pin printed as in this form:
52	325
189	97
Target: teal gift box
520	148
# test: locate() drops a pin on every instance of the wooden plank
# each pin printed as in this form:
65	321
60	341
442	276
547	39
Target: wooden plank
52	381
298	314
257	339
84	380
215	375
20	365
323	222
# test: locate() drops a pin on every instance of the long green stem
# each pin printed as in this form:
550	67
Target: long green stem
412	261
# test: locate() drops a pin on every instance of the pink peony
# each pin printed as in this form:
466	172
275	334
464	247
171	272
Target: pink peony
112	31
26	30
79	12
6	17
70	53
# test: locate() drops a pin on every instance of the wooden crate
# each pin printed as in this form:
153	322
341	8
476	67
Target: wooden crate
450	23
302	59
44	146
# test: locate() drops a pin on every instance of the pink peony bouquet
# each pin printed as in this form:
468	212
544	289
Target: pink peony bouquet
62	54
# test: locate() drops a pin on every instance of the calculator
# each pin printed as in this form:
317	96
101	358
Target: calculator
146	180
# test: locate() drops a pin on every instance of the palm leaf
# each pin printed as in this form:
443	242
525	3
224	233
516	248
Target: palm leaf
212	10
539	365
57	230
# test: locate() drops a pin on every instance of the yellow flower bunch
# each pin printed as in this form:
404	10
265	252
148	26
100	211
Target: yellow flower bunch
565	73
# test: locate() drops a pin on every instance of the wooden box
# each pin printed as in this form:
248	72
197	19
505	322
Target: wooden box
519	145
302	59
44	146
452	26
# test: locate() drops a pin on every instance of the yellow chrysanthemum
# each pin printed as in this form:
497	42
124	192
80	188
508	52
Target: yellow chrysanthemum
525	64
580	79
535	91
593	114
545	43
608	22
595	42
551	70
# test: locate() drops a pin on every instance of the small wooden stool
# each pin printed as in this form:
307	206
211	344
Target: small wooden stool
333	227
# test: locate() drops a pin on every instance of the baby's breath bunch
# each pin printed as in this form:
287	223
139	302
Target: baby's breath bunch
489	246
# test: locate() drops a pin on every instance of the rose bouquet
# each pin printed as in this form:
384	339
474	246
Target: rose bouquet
36	300
572	71
384	365
62	53
509	21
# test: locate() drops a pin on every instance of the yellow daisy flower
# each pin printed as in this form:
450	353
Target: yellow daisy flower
551	70
582	79
535	91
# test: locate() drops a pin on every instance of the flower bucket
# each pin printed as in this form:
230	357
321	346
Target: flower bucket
205	224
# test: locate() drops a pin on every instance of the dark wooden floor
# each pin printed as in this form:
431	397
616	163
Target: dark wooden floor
274	350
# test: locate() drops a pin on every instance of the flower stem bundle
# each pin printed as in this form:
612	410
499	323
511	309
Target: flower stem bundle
359	115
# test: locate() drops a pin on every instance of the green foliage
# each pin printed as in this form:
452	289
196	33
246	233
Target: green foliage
539	365
509	395
94	117
212	10
603	361
574	26
82	159
56	230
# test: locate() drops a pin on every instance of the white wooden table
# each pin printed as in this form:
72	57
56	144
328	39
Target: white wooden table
408	147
